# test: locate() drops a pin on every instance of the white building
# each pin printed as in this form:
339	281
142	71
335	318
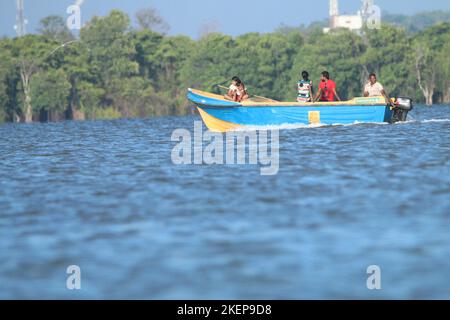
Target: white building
351	22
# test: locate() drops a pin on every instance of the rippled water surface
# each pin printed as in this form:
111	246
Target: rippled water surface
106	196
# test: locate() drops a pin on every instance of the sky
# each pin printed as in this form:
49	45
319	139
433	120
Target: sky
190	17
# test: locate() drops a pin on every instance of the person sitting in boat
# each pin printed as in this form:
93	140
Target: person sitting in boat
305	88
231	95
237	91
327	89
375	89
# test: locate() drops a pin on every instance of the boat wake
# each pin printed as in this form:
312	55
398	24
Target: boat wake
288	126
423	121
435	120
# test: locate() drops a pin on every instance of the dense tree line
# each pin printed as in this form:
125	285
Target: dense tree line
112	70
417	22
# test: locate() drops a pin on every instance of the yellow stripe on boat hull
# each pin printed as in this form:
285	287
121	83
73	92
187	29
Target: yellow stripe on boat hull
314	117
216	125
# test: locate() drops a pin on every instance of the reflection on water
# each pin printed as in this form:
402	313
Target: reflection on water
105	196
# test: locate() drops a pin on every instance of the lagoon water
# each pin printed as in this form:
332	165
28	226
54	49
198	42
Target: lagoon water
105	195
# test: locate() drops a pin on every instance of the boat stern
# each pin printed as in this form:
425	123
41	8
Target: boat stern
403	106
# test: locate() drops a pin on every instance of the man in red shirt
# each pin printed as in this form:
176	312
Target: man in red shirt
327	89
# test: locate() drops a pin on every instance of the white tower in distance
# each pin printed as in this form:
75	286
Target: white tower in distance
334	8
334	13
21	21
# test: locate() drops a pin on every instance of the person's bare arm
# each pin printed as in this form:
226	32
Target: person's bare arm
386	97
365	92
337	96
231	95
311	94
244	93
319	93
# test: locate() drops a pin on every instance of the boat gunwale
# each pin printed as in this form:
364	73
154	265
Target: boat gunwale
251	104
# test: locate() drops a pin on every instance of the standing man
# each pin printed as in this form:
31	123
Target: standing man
375	89
327	89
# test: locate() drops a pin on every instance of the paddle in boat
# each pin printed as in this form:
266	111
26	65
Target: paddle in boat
221	115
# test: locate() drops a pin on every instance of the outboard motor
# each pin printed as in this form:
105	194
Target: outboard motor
402	106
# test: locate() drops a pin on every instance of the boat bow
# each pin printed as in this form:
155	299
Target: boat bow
206	99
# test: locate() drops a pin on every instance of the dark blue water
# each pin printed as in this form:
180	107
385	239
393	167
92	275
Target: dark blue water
105	196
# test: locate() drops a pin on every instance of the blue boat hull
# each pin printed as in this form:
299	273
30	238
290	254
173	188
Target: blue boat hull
222	115
262	116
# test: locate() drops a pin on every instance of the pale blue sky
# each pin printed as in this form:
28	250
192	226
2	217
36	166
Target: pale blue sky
230	17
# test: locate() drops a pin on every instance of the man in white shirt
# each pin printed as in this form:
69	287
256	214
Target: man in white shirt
375	89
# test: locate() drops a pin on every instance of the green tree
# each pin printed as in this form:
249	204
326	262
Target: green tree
211	62
146	44
430	57
443	76
3	98
76	65
417	22
338	53
88	98
50	91
55	28
265	62
171	55
110	53
136	98
149	19
31	53
7	70
389	55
